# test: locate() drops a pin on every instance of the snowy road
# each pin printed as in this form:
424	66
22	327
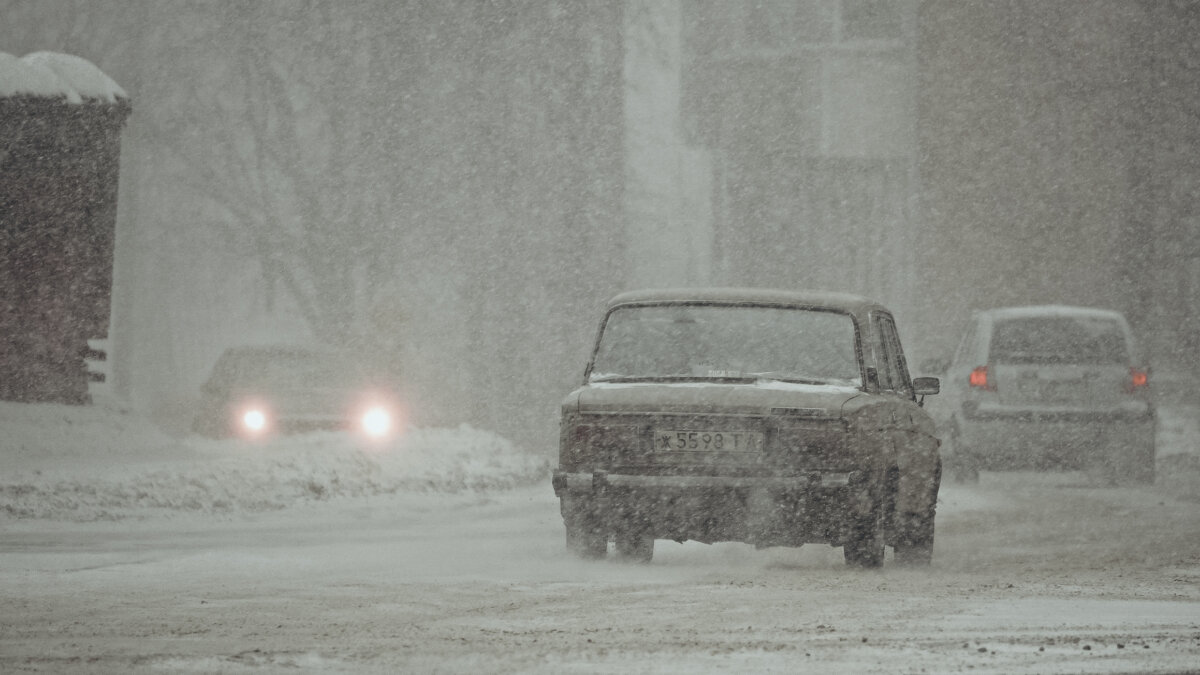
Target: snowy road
1032	573
1031	576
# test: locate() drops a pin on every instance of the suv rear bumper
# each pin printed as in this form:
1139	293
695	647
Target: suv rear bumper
1037	440
975	412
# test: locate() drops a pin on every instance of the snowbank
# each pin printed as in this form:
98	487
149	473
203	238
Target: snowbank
93	463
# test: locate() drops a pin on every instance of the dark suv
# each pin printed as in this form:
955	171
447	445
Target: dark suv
767	417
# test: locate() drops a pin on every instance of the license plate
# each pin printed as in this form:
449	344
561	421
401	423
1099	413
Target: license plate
708	441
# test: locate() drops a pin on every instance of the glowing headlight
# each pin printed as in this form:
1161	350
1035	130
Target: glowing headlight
377	422
254	420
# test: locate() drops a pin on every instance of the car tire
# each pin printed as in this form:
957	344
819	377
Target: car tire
635	547
915	547
1144	473
912	533
865	552
1139	470
586	544
865	545
586	537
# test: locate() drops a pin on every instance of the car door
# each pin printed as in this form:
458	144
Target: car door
913	431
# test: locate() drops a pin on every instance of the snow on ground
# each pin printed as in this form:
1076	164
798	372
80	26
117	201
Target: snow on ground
96	463
129	550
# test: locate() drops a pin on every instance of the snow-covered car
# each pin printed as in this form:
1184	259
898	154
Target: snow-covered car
768	417
1048	387
256	391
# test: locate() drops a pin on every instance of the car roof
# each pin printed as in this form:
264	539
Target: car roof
848	302
1029	311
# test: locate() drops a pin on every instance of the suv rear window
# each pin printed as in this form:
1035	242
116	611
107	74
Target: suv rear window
1058	339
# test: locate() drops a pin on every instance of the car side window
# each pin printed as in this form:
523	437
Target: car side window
883	374
894	370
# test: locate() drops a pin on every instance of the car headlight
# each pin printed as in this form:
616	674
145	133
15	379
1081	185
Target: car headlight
377	422
254	420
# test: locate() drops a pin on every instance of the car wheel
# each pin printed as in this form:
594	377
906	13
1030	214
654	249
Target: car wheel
912	533
915	545
863	552
1143	473
1102	473
865	546
635	546
586	537
1139	468
585	543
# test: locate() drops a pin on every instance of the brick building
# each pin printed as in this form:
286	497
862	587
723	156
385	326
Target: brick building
60	123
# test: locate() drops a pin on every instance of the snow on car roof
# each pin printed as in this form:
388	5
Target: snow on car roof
749	296
1027	311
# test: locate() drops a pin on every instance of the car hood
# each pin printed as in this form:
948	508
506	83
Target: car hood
762	398
303	401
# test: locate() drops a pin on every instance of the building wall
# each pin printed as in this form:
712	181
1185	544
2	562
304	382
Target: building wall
58	191
499	164
809	111
1058	163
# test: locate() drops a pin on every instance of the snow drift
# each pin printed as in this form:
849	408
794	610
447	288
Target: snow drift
93	463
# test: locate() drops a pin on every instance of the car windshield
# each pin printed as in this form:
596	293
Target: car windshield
1059	339
727	342
281	370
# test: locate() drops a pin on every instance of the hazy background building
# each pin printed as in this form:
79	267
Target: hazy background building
1058	162
455	187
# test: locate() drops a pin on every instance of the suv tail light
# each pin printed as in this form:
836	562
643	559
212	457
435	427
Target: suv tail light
1139	379
980	379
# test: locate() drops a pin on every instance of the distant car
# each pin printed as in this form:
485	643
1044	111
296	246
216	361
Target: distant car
768	417
257	391
1049	387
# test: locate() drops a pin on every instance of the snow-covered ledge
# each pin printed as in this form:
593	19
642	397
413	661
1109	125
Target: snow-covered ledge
55	75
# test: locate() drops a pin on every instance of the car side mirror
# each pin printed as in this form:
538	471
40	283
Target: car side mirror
926	386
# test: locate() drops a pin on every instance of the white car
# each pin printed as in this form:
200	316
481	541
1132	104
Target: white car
1048	387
